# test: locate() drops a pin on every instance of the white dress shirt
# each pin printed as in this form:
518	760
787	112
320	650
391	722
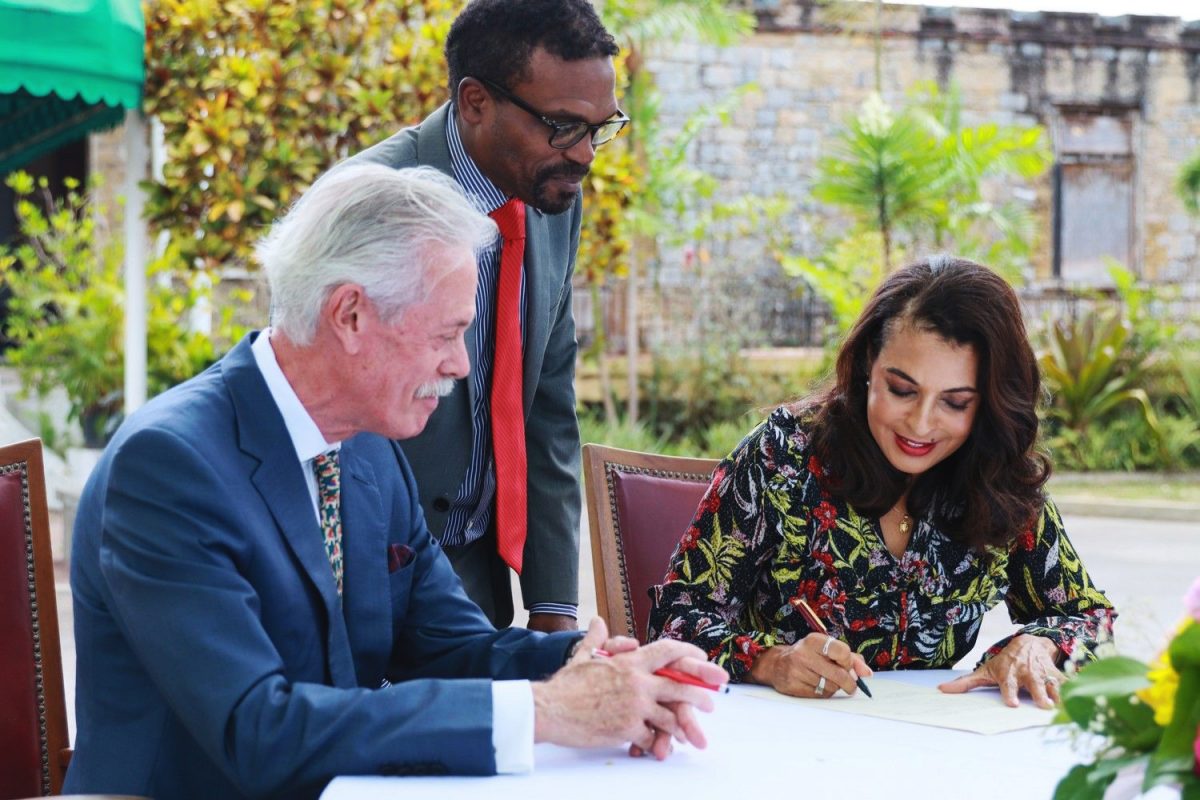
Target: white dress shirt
512	701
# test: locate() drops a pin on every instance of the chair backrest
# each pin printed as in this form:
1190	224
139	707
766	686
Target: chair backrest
33	715
639	505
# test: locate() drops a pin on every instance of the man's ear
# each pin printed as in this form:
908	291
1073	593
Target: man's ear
473	101
348	313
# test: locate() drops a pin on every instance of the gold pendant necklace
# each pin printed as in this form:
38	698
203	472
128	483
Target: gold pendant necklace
905	525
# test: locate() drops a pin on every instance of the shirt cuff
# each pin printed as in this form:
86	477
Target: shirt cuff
561	609
512	726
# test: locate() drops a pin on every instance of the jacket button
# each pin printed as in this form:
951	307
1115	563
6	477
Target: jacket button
441	504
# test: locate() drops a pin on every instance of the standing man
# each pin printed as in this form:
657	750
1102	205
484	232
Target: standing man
532	97
259	606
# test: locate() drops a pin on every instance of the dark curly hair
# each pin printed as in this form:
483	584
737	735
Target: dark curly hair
494	39
989	490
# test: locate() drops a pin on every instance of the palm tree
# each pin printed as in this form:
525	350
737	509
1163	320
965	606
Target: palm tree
921	171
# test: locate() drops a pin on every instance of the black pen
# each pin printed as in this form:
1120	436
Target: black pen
815	623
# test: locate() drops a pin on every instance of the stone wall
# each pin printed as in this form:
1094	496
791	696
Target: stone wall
1134	79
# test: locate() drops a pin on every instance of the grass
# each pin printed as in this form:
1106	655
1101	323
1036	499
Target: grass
1175	488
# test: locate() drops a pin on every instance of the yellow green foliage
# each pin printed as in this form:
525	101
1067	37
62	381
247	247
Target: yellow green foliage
258	97
66	310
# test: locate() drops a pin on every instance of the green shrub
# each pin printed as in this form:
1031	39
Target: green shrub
593	429
66	314
688	393
1125	442
1091	369
720	439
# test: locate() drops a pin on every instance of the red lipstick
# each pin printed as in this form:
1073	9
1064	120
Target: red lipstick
911	448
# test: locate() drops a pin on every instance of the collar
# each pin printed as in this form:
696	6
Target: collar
305	435
485	194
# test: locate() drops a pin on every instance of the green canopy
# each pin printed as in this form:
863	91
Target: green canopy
66	67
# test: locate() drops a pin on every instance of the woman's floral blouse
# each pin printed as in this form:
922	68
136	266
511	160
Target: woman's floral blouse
768	533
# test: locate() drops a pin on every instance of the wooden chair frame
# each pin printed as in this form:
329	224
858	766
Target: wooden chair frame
25	458
613	598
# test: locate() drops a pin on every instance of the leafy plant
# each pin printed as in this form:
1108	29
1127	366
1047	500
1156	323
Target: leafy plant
66	312
1148	716
883	169
918	174
1090	371
844	276
1186	360
1188	184
1125	442
257	98
638	436
692	391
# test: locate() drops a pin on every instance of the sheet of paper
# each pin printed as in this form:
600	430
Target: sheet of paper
979	711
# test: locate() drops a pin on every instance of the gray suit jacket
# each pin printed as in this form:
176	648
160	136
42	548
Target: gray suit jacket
440	455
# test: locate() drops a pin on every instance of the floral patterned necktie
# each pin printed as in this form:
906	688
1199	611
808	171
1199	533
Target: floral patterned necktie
329	506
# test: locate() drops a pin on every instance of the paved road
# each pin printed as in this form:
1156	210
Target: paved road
1145	568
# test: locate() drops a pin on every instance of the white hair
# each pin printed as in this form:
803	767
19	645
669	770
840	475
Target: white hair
381	228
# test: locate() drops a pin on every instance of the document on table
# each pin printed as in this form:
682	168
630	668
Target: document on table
979	711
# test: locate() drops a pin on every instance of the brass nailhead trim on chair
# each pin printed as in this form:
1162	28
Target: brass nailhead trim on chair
21	468
609	469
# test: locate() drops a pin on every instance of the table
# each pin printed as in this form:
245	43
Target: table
755	744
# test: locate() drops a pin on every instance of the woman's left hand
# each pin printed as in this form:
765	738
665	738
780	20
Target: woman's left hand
1027	662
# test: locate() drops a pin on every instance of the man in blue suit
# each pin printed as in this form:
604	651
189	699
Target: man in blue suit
259	605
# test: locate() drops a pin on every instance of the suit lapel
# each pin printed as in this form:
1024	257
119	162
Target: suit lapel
281	483
541	298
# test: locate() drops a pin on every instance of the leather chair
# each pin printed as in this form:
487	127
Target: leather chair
639	505
34	742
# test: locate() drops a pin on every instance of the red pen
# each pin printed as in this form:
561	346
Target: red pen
674	674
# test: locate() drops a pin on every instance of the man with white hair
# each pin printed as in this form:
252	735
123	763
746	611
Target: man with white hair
259	605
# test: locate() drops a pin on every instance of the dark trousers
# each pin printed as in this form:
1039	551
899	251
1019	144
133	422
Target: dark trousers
485	577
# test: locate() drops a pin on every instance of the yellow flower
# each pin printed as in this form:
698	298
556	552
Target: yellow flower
1164	682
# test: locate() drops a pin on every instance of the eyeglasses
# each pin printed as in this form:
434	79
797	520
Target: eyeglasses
565	135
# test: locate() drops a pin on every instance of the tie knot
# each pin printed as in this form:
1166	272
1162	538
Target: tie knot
510	218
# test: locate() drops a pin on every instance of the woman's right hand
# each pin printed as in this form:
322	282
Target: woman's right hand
798	669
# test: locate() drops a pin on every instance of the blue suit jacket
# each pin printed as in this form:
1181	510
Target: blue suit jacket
214	656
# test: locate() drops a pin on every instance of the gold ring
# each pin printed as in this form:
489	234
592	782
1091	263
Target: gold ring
820	687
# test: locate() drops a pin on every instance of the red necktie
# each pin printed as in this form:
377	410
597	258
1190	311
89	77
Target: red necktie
508	406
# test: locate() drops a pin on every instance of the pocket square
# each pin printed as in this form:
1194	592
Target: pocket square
398	556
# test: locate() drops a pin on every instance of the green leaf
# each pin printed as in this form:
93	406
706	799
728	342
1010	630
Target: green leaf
1083	782
1101	684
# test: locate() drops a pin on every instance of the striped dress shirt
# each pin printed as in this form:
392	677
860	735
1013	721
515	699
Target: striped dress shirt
471	510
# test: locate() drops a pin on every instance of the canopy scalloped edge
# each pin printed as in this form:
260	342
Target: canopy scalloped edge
90	89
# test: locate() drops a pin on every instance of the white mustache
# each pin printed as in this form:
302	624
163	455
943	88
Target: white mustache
438	388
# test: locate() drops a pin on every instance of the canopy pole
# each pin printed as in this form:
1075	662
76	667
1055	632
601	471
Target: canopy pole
136	157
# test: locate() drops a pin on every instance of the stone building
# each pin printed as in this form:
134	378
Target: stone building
1118	96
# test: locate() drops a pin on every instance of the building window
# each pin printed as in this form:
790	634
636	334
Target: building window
1094	198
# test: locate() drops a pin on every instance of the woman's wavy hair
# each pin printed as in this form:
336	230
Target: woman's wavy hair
989	490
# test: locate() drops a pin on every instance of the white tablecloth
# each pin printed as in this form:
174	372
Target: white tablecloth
758	748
